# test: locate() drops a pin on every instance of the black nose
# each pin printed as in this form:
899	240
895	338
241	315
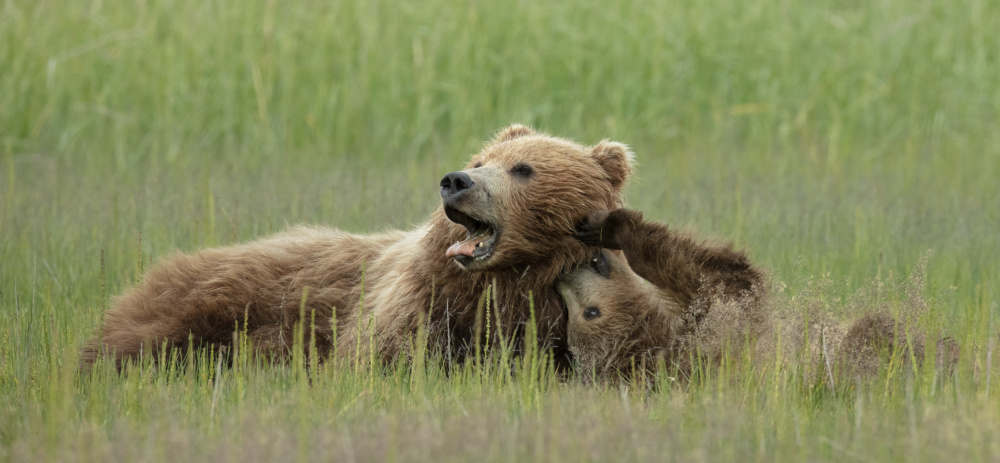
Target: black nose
455	184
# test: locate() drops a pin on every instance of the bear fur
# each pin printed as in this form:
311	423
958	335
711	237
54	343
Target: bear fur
836	352
654	293
516	205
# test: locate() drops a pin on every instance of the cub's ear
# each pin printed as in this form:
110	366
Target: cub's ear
512	132
616	159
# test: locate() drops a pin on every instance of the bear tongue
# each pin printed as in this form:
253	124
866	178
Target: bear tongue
467	247
464	248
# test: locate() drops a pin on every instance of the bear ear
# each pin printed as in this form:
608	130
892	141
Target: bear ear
512	132
616	159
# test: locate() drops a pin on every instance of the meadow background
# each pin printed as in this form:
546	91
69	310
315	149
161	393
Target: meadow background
840	141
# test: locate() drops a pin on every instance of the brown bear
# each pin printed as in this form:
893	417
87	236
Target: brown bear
845	352
655	294
506	225
664	296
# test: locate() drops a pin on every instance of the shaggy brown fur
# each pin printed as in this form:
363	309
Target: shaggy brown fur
530	189
667	296
840	352
654	299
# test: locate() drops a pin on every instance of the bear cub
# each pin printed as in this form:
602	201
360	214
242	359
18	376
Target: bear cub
653	293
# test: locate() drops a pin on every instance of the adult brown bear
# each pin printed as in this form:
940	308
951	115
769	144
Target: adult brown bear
506	223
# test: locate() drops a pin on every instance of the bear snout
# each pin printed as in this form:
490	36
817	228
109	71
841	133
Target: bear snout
455	185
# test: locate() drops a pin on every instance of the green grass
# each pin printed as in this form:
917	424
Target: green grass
838	141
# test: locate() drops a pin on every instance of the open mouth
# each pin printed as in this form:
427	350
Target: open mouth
479	242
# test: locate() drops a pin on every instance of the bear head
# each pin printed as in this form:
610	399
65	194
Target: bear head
617	321
519	199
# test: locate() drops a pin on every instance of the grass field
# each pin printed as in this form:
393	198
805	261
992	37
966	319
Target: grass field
841	142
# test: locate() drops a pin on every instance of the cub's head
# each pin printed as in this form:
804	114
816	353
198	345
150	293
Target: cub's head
520	198
617	322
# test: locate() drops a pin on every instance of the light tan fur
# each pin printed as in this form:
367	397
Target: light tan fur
400	278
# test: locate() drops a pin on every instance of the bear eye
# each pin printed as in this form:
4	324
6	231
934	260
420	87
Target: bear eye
591	313
599	264
522	170
478	165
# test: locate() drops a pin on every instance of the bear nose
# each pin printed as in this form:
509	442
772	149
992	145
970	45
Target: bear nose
455	184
